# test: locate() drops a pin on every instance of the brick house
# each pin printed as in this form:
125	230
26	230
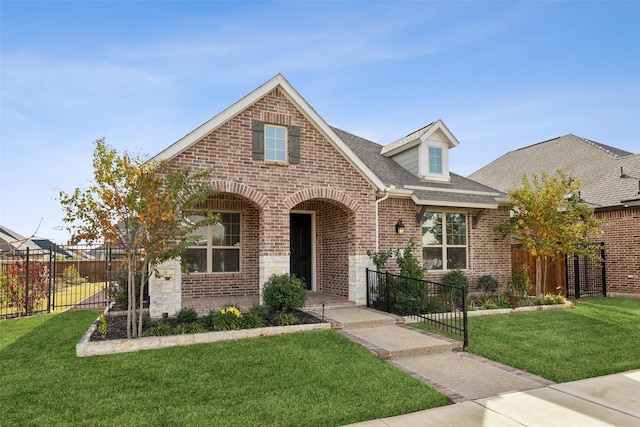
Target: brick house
299	196
611	185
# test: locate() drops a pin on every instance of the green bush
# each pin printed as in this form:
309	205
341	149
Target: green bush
286	319
408	263
251	320
284	293
158	330
119	289
227	319
455	278
520	284
190	328
488	284
71	276
187	315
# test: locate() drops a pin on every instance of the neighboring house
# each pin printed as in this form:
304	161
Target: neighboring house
611	185
299	196
11	241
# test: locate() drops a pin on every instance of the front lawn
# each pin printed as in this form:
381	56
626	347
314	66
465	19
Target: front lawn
304	379
599	336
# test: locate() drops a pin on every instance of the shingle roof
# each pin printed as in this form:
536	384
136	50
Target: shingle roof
458	192
598	165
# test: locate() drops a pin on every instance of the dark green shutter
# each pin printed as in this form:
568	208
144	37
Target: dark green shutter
257	128
294	144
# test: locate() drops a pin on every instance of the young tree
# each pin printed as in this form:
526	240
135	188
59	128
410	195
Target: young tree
142	207
549	220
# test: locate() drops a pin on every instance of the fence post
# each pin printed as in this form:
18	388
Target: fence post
604	271
367	281
387	294
51	272
26	285
465	325
576	275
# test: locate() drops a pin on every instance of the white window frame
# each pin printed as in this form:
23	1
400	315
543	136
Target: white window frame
210	247
268	139
444	246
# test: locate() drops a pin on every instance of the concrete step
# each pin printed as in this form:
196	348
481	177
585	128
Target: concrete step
397	341
358	317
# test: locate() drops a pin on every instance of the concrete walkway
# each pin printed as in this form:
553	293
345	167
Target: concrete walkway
486	393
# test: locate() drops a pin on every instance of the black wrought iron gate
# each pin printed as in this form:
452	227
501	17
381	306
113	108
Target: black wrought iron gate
586	277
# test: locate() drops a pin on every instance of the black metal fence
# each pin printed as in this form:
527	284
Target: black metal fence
442	306
586	277
62	277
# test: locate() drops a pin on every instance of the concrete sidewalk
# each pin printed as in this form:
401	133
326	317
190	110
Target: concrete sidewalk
486	393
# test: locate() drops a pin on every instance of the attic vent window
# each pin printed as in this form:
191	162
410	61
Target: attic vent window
435	160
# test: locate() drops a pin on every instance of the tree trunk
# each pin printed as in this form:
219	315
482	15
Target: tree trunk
131	288
539	282
145	277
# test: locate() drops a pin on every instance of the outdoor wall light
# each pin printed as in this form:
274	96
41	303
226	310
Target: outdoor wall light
399	227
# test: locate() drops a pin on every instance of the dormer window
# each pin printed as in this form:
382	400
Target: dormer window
435	160
425	152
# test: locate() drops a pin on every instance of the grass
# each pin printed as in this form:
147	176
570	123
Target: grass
62	298
306	379
597	337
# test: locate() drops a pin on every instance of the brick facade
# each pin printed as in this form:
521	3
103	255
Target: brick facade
341	200
622	249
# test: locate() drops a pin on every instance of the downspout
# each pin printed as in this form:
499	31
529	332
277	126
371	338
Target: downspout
386	196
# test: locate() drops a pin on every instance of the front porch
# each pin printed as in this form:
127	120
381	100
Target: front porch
204	305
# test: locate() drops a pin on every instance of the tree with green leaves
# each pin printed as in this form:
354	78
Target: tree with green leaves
549	220
143	207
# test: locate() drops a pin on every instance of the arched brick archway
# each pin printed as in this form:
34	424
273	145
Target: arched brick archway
321	193
241	189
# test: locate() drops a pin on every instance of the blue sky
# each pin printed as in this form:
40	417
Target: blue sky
501	75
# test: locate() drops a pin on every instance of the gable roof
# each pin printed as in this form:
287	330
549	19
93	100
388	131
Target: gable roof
294	97
10	240
367	157
598	165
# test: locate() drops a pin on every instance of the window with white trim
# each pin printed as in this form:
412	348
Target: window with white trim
444	240
275	143
435	160
218	247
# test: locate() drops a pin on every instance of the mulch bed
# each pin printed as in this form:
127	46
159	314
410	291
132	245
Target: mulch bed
117	323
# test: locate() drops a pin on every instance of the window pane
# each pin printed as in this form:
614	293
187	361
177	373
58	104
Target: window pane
226	260
200	233
275	143
431	229
456	258
227	231
432	258
456	229
195	260
435	160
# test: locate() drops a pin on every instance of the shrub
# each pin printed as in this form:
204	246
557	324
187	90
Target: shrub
286	319
227	319
190	328
284	293
380	258
119	290
251	320
488	284
520	284
549	299
103	328
187	315
455	278
71	276
408	263
158	330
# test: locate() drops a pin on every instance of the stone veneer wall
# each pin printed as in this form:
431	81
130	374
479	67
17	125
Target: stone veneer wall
165	291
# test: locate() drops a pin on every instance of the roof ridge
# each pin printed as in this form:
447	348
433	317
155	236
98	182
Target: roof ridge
603	147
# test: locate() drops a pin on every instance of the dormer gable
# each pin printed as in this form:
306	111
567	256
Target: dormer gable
425	152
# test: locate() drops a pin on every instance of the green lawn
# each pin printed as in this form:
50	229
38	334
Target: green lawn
599	336
306	379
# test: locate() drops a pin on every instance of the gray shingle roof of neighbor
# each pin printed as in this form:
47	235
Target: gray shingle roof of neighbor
459	191
598	165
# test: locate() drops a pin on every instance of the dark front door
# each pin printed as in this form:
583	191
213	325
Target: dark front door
301	261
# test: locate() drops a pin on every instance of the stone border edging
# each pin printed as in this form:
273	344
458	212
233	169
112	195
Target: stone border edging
568	304
86	347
